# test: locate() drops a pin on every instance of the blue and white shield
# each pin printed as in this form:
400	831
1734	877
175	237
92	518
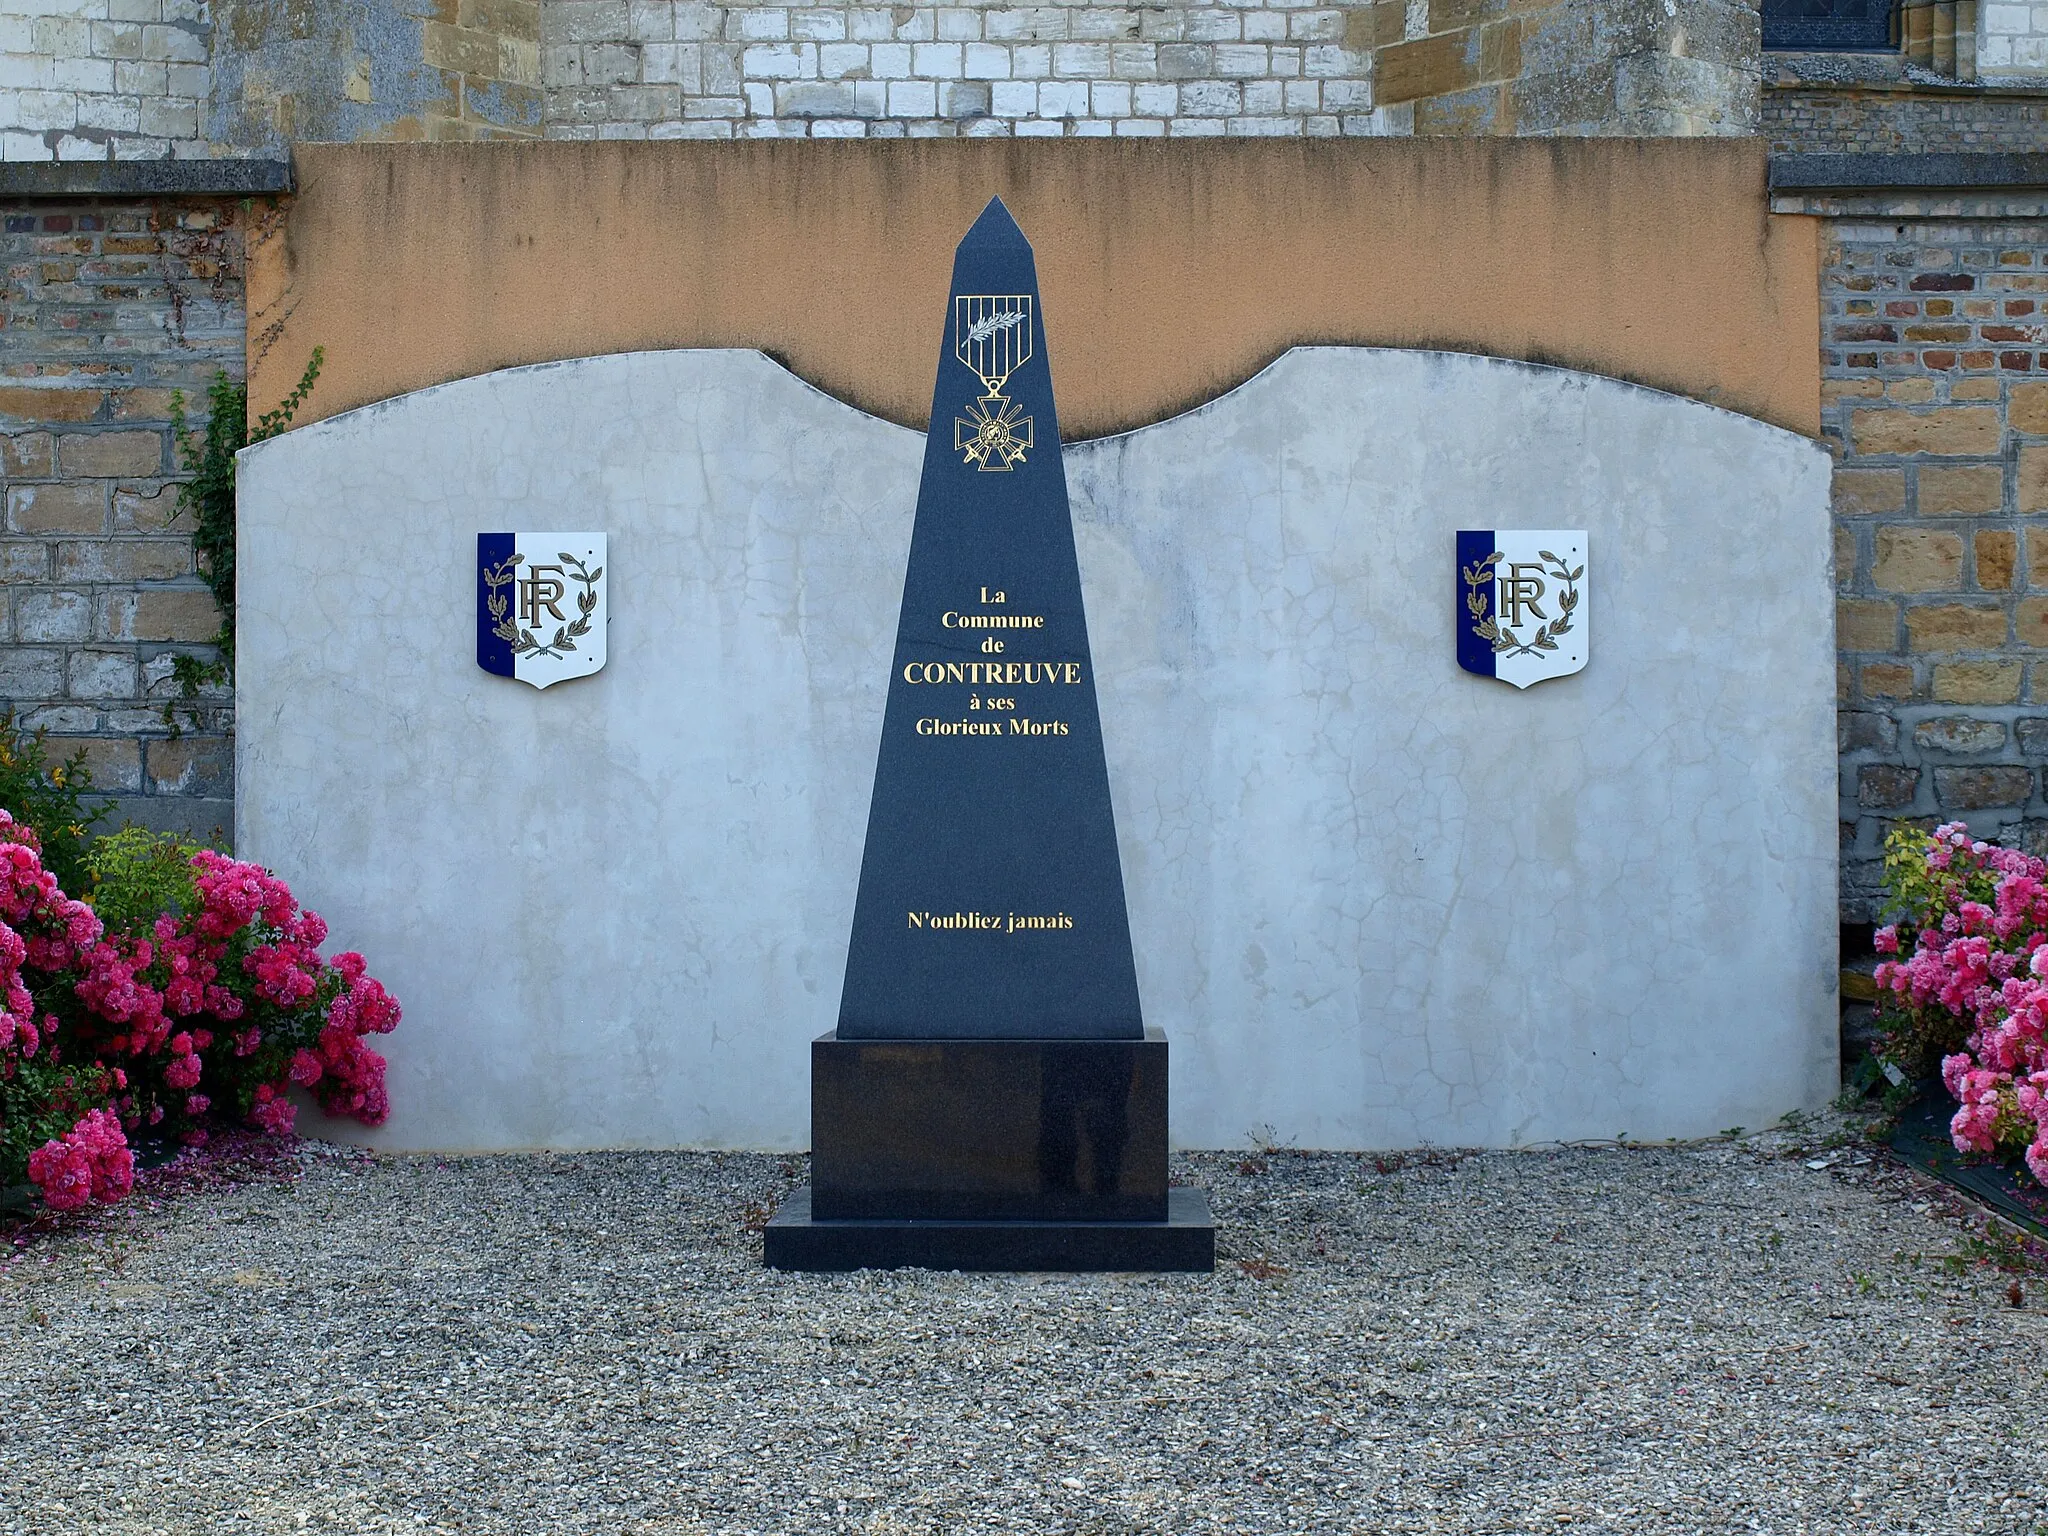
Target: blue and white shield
1521	595
540	605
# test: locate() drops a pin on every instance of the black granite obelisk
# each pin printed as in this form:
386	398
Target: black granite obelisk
991	1098
991	898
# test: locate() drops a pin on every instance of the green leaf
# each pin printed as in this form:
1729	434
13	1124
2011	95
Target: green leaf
209	496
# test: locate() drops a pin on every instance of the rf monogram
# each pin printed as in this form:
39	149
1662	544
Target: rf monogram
540	591
1521	588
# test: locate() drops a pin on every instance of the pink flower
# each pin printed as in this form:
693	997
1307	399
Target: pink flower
273	1112
138	1011
353	1080
64	1173
92	1162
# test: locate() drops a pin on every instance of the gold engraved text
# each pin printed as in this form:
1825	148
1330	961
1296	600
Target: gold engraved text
990	922
951	620
990	674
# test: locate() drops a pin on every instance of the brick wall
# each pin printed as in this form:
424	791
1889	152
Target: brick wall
1936	397
686	69
107	308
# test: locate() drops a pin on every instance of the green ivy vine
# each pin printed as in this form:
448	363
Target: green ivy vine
209	499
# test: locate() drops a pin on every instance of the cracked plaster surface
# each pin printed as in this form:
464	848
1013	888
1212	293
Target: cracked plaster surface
1376	901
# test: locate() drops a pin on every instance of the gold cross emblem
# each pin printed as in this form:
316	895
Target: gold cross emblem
993	434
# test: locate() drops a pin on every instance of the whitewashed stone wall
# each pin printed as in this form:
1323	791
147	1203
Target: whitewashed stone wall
99	79
1376	901
682	69
103	79
2012	40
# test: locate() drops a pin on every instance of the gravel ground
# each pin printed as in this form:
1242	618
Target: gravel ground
1719	1337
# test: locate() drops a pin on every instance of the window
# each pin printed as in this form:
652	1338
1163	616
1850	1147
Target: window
1841	25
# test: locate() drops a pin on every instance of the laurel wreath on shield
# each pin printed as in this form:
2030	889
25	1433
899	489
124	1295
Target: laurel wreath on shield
523	641
1505	640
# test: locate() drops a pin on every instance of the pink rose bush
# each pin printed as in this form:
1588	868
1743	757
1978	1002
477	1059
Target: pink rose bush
213	1011
1972	987
90	1162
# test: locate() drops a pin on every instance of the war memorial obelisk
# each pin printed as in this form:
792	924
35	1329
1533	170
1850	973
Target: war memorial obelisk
992	1098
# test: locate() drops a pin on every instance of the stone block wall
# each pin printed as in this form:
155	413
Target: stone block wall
687	69
103	79
677	68
2012	38
1579	67
189	79
1935	351
359	70
1872	103
107	309
1973	39
1886	123
106	79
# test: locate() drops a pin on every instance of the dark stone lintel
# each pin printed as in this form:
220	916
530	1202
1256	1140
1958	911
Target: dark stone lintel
1886	173
71	179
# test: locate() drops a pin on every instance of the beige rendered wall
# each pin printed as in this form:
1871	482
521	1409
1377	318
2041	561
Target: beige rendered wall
1170	271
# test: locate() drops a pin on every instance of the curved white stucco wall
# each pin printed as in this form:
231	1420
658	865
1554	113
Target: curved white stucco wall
1376	901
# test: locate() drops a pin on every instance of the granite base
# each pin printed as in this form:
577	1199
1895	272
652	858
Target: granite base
989	1130
1184	1242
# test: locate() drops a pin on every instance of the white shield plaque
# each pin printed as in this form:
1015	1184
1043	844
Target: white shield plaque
540	605
1521	603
